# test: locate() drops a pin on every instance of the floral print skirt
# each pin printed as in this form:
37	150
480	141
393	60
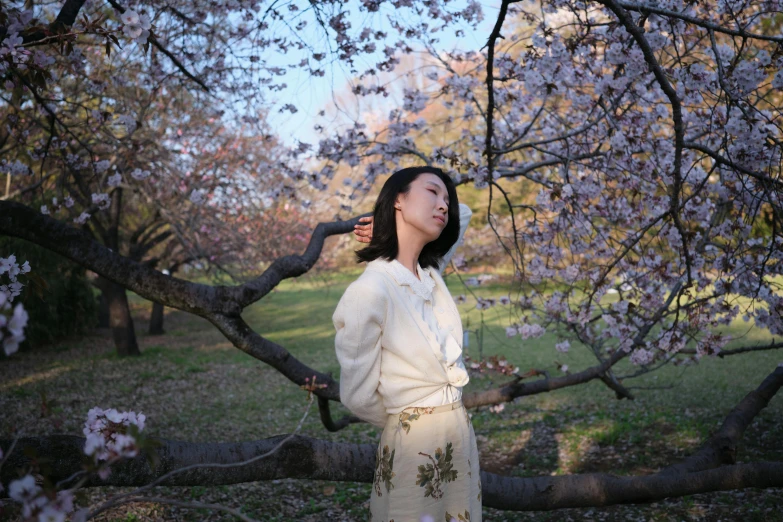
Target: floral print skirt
427	468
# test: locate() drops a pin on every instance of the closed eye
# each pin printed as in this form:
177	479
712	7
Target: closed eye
435	192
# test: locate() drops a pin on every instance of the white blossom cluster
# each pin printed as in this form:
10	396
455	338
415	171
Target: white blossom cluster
14	168
136	26
37	505
13	321
584	118
108	437
107	442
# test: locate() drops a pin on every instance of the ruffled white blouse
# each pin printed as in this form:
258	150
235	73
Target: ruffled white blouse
420	293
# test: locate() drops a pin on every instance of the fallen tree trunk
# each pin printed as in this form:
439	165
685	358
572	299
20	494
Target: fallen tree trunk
300	457
314	459
600	489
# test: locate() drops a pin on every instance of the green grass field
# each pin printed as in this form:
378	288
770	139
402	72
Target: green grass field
193	385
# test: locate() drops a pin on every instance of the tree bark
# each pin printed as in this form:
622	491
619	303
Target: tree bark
120	319
517	388
313	459
600	489
721	448
103	311
156	319
65	19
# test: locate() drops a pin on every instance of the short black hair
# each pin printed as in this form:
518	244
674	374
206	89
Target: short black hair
384	224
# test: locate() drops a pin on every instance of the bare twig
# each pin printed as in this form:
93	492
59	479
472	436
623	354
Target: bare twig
490	85
179	65
745	349
651	8
328	422
679	129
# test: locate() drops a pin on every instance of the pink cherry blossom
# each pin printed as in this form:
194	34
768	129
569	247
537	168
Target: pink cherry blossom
114	180
101	200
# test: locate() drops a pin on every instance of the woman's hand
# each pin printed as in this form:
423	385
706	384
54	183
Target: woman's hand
363	232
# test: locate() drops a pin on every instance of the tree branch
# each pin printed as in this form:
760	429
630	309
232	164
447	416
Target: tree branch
293	265
679	129
527	169
243	337
69	12
21	221
221	305
511	391
326	417
144	248
724	161
722	446
490	85
65	18
600	489
299	457
745	349
179	65
620	391
652	9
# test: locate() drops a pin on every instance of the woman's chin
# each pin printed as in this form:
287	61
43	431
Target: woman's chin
435	236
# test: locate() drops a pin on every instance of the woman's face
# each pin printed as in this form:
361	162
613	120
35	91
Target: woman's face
425	208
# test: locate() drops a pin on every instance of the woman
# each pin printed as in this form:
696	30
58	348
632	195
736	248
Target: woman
399	344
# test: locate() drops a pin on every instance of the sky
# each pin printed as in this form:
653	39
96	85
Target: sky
312	94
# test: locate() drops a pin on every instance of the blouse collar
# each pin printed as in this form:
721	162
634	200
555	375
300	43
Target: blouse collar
404	277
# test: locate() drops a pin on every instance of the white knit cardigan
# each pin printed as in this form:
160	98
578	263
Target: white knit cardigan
389	357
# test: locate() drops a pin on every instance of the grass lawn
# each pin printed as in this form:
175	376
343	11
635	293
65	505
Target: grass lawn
193	385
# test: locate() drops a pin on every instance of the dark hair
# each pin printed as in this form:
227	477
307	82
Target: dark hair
384	224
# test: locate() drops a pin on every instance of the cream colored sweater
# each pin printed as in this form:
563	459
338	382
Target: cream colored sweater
420	293
389	357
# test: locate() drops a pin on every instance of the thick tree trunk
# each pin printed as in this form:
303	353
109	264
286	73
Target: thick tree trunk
103	311
120	319
313	459
308	458
156	319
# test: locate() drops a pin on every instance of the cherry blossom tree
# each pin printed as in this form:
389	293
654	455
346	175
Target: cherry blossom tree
649	133
142	189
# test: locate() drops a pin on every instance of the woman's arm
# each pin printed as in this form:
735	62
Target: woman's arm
358	320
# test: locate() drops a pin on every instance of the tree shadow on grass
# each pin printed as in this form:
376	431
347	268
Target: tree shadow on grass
524	448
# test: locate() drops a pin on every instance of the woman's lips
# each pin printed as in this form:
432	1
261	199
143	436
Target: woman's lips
441	219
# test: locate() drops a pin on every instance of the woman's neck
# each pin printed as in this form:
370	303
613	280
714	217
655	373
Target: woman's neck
410	243
410	260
